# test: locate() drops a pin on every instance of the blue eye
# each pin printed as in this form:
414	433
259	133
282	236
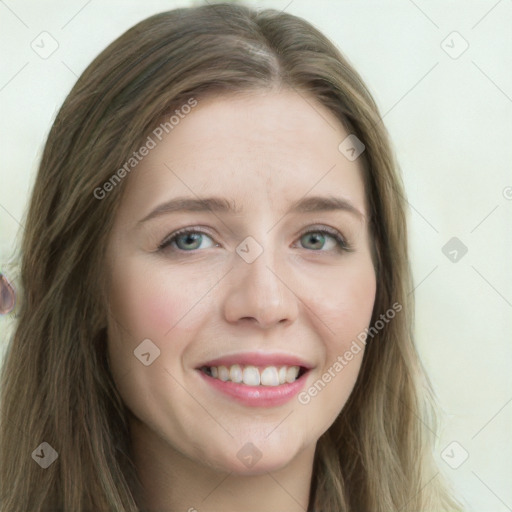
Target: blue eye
186	240
320	236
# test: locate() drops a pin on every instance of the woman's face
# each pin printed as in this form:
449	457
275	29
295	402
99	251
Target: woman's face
257	286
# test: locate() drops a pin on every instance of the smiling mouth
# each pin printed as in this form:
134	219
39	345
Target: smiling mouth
254	375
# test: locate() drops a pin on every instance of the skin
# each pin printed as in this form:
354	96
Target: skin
264	150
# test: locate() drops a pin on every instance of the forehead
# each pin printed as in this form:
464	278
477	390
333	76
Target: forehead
259	148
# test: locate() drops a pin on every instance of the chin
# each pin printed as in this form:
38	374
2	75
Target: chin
249	458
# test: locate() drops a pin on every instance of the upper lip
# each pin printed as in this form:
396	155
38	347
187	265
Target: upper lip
258	359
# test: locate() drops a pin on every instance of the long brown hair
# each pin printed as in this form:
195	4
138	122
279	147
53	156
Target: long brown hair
56	386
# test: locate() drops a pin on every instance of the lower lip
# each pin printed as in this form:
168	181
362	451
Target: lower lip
257	396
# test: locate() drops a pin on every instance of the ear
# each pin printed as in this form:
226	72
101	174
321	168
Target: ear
7	295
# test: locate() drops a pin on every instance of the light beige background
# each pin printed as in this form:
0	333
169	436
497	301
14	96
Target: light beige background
450	117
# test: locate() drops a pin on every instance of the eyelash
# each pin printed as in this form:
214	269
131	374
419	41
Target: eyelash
342	244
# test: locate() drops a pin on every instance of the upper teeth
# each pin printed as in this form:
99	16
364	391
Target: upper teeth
251	375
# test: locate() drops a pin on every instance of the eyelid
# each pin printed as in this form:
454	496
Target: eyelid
323	228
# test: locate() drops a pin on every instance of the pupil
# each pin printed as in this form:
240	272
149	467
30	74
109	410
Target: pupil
190	238
316	238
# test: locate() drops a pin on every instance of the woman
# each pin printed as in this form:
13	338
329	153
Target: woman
272	368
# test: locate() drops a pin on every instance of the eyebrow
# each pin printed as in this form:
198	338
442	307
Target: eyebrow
223	205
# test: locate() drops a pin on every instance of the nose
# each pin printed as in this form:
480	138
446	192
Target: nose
261	292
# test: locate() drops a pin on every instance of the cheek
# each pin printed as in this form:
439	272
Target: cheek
150	303
345	306
346	303
162	308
